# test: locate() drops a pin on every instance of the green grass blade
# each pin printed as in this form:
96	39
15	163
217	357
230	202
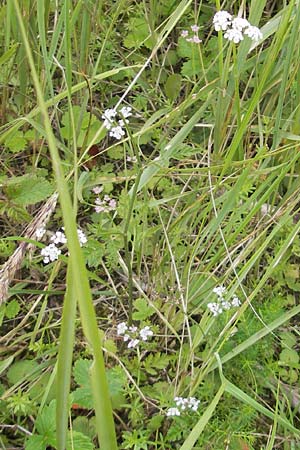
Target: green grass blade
166	154
265	74
245	398
104	417
202	422
64	360
252	340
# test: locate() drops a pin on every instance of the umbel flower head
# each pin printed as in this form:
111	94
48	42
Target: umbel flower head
235	27
114	121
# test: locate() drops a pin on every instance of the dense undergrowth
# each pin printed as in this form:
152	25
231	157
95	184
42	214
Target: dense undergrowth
150	222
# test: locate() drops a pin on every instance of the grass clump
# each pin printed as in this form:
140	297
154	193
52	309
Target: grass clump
150	222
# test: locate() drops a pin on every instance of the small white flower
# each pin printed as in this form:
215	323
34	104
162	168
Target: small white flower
126	111
59	237
50	253
235	302
107	124
133	329
196	40
173	412
234	35
132	159
184	33
97	189
222	20
195	28
81	237
109	114
145	333
239	23
105	205
39	232
121	328
253	33
133	343
225	305
108	117
215	308
184	404
117	132
219	290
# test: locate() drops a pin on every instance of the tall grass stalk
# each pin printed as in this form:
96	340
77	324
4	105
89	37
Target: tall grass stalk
78	275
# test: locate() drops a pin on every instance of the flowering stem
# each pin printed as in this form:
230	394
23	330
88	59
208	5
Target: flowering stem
128	259
240	153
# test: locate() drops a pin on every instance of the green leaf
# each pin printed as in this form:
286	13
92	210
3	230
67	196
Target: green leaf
45	422
83	395
289	357
79	441
12	309
36	442
81	372
20	370
139	31
29	191
191	68
85	426
155	362
143	310
172	86
16	143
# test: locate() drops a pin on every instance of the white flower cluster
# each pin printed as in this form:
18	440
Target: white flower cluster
235	28
183	404
51	252
132	335
105	205
195	38
114	121
222	304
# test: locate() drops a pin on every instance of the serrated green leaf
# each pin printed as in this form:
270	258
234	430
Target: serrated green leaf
36	442
156	362
143	310
16	143
29	191
12	309
85	426
191	67
46	421
185	49
81	372
139	32
83	397
116	152
79	441
20	370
